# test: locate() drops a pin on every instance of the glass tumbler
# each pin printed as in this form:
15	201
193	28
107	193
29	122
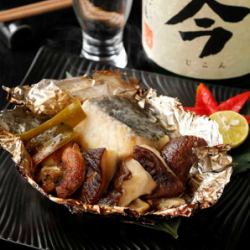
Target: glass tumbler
102	23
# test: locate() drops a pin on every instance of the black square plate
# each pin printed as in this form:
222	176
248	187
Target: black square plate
28	218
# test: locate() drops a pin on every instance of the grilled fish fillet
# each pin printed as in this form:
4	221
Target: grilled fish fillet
118	124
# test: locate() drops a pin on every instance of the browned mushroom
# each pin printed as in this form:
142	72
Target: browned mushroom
168	184
115	192
131	182
49	176
73	168
63	171
98	175
179	156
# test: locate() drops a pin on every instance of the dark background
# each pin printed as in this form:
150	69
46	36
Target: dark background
60	31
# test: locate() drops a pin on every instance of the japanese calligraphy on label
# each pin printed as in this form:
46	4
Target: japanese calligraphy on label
207	39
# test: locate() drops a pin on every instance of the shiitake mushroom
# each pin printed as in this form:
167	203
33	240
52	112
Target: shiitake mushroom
147	174
131	182
179	156
168	184
63	171
73	168
96	180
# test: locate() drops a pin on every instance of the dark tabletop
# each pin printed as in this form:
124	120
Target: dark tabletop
60	31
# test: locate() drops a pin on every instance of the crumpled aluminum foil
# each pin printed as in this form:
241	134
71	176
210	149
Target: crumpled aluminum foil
207	179
43	98
48	97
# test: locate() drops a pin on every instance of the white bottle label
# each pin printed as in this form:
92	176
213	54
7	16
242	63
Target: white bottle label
207	39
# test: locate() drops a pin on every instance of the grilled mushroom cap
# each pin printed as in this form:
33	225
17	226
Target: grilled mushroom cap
179	156
131	182
98	175
168	184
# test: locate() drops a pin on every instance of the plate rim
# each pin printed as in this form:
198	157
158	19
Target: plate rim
29	71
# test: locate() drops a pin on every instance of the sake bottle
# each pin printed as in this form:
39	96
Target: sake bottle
201	39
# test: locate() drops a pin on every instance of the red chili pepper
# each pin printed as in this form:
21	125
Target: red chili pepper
235	103
205	100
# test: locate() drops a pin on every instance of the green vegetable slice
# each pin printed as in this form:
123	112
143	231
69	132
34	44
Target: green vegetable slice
71	116
46	143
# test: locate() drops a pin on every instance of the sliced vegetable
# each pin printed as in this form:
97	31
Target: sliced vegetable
140	182
71	116
139	205
46	143
233	127
235	103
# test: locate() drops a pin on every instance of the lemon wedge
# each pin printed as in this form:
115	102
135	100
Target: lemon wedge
233	127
